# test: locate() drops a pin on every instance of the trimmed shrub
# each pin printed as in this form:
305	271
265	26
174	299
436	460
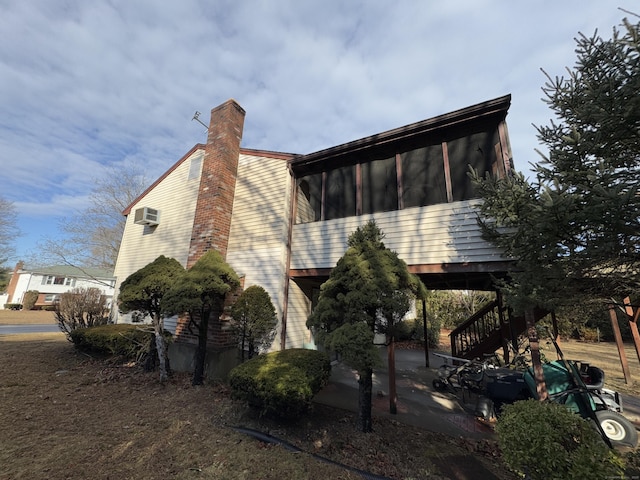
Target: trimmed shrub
123	339
413	330
547	441
13	306
405	330
281	383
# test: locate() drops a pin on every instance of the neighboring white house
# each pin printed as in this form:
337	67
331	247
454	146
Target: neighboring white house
282	220
51	282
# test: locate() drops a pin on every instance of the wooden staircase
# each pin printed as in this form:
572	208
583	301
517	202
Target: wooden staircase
490	328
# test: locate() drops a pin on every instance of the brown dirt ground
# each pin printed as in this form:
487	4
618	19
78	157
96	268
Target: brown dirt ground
67	416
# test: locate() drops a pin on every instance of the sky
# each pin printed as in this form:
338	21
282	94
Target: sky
86	86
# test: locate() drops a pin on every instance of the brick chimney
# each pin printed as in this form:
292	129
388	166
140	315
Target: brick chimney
212	221
13	281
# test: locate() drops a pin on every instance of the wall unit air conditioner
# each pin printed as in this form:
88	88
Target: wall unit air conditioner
147	216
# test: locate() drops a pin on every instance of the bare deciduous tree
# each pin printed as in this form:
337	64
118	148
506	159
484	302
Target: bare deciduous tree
8	228
8	233
81	308
92	236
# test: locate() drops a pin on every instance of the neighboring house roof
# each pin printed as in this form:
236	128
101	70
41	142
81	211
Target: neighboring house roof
71	271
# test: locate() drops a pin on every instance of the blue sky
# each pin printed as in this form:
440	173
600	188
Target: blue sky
85	86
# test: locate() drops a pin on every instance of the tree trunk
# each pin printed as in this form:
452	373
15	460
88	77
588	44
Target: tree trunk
163	360
162	357
201	352
534	344
365	387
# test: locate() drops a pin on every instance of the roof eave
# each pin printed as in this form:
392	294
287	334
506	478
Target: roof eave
481	110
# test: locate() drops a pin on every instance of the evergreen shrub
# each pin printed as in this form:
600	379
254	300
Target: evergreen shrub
545	441
413	330
13	306
126	340
281	383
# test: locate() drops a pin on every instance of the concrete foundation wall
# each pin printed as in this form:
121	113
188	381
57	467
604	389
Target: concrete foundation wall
218	364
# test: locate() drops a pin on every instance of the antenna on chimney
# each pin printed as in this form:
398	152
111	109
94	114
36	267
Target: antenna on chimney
196	117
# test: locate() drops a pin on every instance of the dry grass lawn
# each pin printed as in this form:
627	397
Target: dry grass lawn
604	355
67	416
28	317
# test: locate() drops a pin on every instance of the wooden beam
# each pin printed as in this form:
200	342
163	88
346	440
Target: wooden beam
619	344
426	333
393	396
633	323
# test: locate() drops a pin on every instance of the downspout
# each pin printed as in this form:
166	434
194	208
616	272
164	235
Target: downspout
287	278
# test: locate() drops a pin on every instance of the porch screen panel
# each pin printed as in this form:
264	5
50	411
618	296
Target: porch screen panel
423	180
476	150
340	193
309	201
379	186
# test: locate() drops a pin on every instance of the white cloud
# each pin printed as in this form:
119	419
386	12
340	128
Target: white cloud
89	84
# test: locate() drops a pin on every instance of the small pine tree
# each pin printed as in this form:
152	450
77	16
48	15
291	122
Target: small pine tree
143	291
368	292
254	320
201	292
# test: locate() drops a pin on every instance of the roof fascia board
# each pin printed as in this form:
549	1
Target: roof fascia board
464	115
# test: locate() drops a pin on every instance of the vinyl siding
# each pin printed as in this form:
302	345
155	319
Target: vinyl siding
175	196
259	226
445	233
299	308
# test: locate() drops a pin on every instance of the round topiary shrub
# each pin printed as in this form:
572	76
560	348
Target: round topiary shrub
281	383
547	441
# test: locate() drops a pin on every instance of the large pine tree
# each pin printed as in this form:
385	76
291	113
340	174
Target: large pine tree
575	229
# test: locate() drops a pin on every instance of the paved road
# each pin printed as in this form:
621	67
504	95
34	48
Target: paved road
16	329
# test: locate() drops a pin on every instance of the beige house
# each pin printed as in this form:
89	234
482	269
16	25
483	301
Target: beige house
282	220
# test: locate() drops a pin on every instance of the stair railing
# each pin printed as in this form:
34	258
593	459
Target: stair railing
477	328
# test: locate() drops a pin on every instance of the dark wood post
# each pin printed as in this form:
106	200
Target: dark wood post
633	323
619	344
393	397
426	333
